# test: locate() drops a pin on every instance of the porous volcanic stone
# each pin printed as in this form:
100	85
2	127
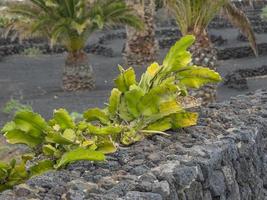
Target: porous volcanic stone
223	157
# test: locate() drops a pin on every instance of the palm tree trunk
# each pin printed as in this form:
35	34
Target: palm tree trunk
78	74
204	54
142	46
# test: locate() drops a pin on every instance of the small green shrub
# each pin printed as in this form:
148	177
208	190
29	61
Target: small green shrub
136	109
32	52
13	106
4	22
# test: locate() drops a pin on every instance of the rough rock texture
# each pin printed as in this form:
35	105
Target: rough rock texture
238	78
223	158
11	48
240	52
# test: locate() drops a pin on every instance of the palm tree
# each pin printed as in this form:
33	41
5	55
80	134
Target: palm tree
69	23
142	46
193	17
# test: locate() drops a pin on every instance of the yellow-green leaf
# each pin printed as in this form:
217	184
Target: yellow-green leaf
69	134
125	79
57	138
195	77
106	130
184	119
63	119
150	73
96	114
130	137
114	101
132	99
79	154
31	123
41	167
49	150
20	137
106	146
177	56
169	107
161	125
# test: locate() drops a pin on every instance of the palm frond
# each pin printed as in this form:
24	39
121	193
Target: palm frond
69	22
240	20
194	16
191	15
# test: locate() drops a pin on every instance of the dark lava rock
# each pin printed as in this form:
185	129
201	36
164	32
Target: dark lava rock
226	159
238	78
236	81
135	195
217	40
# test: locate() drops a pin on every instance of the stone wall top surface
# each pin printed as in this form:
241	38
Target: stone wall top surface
223	157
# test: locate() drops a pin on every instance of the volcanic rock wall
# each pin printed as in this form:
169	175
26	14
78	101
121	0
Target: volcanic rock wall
224	157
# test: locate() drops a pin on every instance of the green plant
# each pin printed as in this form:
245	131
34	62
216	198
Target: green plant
194	16
136	109
69	23
32	52
3	22
59	141
11	174
13	106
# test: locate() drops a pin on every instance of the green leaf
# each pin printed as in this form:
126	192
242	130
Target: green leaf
147	77
106	145
26	157
96	114
150	102
124	112
69	134
196	77
106	130
125	79
41	167
9	126
31	123
63	119
114	101
130	137
82	125
4	167
20	137
161	125
184	119
49	150
79	154
16	175
169	107
57	138
178	56
132	98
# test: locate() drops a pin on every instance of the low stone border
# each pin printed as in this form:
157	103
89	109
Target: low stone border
238	78
240	52
12	49
224	157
